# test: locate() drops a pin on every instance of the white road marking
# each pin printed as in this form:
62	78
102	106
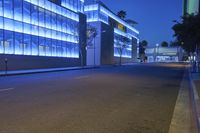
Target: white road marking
8	89
82	77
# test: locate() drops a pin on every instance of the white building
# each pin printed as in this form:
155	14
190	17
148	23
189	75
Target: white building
164	54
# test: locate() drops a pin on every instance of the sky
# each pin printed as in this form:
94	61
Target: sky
154	17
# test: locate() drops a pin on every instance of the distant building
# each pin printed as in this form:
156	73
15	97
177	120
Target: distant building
111	31
164	54
191	6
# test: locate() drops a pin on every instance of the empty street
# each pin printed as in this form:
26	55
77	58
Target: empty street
137	98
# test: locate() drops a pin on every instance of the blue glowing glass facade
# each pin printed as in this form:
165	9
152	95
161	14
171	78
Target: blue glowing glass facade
40	27
122	30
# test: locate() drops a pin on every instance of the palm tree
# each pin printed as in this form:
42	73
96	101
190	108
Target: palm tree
164	44
122	14
142	47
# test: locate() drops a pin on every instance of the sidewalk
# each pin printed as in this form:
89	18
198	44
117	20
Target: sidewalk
31	71
195	93
183	119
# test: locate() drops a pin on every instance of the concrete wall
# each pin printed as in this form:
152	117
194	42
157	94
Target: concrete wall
82	38
21	62
123	61
107	44
104	47
94	51
134	50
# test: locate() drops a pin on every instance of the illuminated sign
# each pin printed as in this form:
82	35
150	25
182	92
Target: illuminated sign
121	27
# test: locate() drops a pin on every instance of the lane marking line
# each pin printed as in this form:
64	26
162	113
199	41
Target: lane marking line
8	89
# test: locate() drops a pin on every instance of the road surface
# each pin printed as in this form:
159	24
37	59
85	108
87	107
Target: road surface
128	99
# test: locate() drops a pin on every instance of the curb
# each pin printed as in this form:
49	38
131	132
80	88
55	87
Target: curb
195	102
182	121
21	72
46	70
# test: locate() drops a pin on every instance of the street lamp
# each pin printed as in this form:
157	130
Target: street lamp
157	51
6	65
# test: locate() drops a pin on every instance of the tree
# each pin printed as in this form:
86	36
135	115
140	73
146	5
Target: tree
75	33
187	32
122	14
142	47
122	43
91	35
174	43
164	44
144	43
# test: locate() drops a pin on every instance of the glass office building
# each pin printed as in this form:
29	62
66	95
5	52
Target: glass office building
124	33
40	27
191	6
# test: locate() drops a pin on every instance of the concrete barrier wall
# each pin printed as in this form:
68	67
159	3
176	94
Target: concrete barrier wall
20	62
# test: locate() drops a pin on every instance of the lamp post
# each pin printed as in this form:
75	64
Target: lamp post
94	51
6	65
157	51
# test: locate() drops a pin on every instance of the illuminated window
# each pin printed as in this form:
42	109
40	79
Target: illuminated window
7	46
1	22
41	17
41	3
8	24
1	42
1	7
18	27
34	30
48	5
48	45
48	19
1	47
53	50
59	49
18	10
18	43
8	6
34	15
41	50
48	51
26	12
25	21
8	42
27	44
34	45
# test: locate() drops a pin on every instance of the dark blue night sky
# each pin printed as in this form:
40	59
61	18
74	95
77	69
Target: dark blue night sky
154	16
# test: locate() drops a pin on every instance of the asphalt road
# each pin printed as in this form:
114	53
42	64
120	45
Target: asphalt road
126	99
